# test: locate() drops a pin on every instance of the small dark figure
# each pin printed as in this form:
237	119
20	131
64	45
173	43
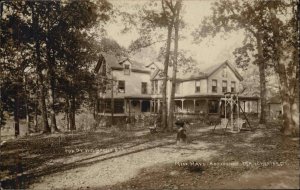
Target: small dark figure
157	122
128	124
153	130
181	133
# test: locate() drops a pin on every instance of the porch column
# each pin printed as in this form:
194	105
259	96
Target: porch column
244	106
129	110
207	106
141	101
125	106
151	106
158	106
182	100
194	106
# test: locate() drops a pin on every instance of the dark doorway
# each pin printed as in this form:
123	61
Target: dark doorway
145	106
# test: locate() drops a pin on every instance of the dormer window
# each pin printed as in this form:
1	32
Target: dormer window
224	73
126	69
197	86
121	86
144	88
214	85
224	86
233	86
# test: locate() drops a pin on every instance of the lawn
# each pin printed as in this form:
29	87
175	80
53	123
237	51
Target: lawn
113	158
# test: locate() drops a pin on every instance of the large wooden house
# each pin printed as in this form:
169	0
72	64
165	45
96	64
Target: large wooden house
137	88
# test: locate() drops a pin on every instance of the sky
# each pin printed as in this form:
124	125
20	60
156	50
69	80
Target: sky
209	52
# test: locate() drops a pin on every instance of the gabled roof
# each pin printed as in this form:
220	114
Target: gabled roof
117	63
211	70
208	72
99	63
194	75
158	65
154	74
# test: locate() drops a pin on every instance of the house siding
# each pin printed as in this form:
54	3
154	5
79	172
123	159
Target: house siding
133	83
187	99
188	87
218	76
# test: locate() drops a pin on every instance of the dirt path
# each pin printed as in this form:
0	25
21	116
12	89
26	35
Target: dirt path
113	159
126	165
280	178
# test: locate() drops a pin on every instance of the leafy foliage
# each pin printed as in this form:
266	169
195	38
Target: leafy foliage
55	40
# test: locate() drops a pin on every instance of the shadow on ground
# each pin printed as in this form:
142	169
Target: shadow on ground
25	160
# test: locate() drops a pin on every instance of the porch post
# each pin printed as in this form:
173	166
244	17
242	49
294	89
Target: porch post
158	106
207	106
129	108
151	106
125	106
194	105
141	101
182	105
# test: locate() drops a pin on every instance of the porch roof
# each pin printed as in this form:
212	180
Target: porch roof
204	96
142	96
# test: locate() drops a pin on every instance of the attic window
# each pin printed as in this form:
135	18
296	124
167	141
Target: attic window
197	86
233	86
121	86
126	69
224	86
224	73
144	88
214	86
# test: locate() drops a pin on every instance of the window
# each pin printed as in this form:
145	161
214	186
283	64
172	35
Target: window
233	86
107	105
121	86
224	73
126	69
160	89
214	86
224	86
144	88
118	106
155	87
197	86
152	87
213	106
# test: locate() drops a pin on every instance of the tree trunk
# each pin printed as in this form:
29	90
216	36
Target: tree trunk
51	65
16	116
52	109
262	79
51	93
26	104
72	113
173	86
165	78
42	98
36	115
288	73
290	108
67	112
43	107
